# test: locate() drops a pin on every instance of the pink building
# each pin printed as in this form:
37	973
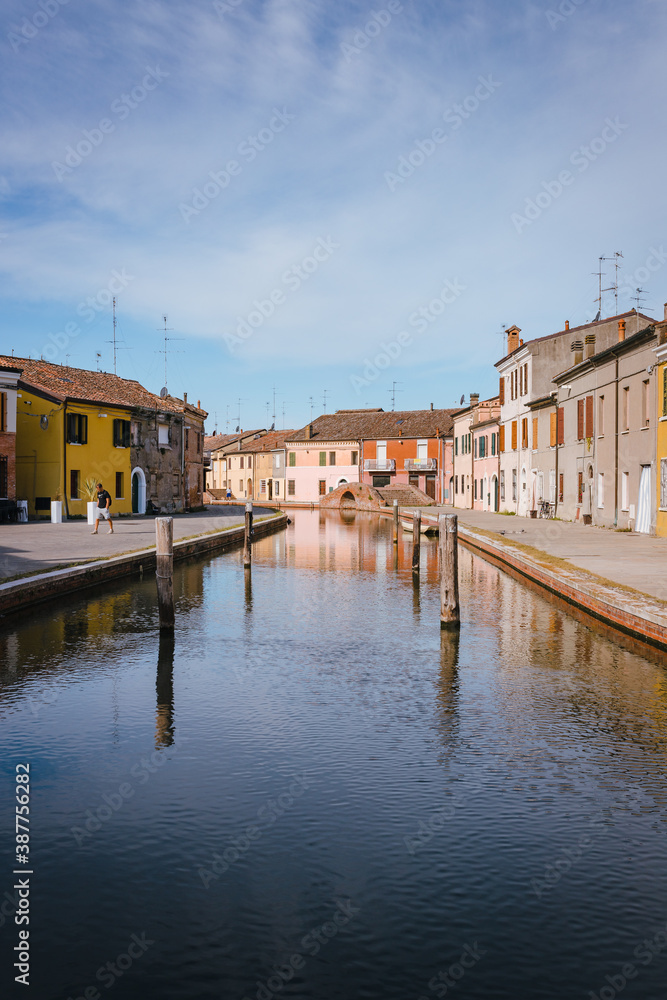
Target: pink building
486	458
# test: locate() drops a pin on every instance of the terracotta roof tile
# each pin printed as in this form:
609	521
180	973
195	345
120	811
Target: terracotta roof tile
356	425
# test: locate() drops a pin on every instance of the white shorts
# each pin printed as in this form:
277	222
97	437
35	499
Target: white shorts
103	513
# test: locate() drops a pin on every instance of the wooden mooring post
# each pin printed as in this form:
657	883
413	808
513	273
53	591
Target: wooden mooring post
449	571
416	541
247	538
395	522
164	570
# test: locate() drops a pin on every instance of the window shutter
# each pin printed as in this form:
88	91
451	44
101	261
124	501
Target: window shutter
514	429
501	438
589	416
534	433
501	389
84	429
664	391
580	419
552	430
116	435
561	426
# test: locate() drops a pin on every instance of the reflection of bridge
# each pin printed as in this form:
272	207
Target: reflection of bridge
362	497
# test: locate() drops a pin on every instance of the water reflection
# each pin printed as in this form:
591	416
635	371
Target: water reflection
164	719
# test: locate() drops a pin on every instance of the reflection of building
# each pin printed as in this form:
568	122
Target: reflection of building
9	377
661	425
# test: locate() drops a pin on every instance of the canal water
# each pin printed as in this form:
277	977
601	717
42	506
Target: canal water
312	794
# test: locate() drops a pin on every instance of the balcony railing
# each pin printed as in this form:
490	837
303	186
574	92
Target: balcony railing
379	465
421	464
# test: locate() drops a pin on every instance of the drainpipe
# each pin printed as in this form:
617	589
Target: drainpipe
557	482
65	459
616	446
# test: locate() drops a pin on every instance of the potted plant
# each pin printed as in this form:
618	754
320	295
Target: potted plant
57	509
89	490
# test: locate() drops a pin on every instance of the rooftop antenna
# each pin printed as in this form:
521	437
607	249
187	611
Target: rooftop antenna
98	359
311	401
239	401
273	413
268	407
165	350
227	420
113	341
638	296
393	392
324	399
612	288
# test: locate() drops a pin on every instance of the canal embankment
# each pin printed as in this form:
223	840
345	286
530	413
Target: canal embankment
52	561
618	578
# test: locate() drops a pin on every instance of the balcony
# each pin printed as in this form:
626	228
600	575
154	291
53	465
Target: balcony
421	464
379	465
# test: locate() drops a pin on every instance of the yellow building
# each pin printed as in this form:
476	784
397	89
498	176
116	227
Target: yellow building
69	430
661	478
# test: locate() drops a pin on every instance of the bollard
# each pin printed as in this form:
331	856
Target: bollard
247	538
395	522
449	571
416	541
164	569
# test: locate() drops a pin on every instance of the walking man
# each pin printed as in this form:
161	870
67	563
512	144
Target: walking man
103	513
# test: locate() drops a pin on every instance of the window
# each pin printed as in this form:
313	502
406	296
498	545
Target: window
276	484
3	411
524	432
553	432
600	416
514	431
493	444
381	452
291	458
476	440
422	451
240	486
323	486
332	458
3	476
552	485
199	441
122	430
625	424
664	392
514	484
77	428
262	486
250	461
241	462
119	486
580	487
521	380
663	481
456	484
502	485
600	489
176	485
355	458
561	487
534	433
456	440
323	458
163	435
625	492
291	487
277	460
74	484
646	411
136	433
589	417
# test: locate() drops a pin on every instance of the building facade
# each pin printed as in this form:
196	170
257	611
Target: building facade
9	377
661	428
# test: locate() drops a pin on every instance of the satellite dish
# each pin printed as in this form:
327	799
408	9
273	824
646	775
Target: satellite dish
44	421
163	392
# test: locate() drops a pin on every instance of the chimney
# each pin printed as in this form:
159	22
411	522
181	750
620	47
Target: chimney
309	431
567	324
577	348
199	404
521	342
185	397
590	345
621	329
431	405
513	338
474	398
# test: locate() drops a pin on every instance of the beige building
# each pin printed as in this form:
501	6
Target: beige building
606	434
264	463
217	448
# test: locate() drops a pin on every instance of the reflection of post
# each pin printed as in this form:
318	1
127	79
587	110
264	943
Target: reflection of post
164	569
247	578
247	547
395	522
449	571
164	720
416	540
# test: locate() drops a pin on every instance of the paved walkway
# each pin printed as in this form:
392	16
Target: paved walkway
40	545
637	561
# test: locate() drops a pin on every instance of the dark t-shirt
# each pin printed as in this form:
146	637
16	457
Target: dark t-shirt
102	497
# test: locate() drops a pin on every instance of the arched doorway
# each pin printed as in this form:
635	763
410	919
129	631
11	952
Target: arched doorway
138	491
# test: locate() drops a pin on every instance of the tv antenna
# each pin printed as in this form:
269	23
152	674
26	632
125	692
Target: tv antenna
612	288
98	358
114	341
311	401
638	296
393	392
165	350
239	401
324	399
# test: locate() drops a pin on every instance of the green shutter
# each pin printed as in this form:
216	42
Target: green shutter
323	458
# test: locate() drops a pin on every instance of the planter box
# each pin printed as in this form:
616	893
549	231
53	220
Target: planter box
56	512
91	507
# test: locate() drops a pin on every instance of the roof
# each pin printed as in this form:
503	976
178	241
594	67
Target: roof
267	442
356	425
11	369
622	346
215	442
574	329
61	382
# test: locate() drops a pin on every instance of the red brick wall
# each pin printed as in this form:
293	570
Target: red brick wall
8	448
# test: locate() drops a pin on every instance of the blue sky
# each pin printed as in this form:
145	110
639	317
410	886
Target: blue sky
307	188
